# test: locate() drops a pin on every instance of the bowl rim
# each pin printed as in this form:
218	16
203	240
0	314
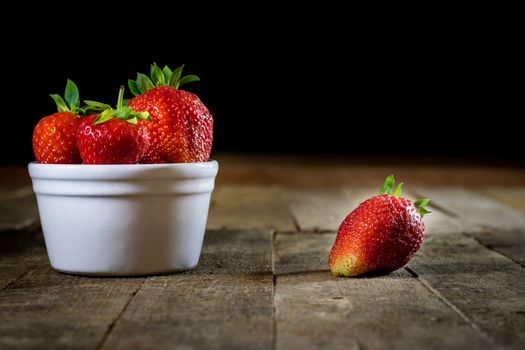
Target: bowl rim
122	171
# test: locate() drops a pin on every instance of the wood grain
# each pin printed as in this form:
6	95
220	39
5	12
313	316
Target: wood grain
513	197
18	210
509	243
485	286
226	303
319	210
315	310
329	172
473	209
302	252
20	252
249	207
46	309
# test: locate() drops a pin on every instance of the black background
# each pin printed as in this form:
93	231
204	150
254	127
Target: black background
452	99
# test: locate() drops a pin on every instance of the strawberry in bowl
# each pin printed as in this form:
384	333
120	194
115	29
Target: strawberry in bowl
115	136
103	212
54	137
182	127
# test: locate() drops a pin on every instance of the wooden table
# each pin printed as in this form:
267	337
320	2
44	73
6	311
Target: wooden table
263	280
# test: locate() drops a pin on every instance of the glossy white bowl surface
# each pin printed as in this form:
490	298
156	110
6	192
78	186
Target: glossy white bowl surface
123	220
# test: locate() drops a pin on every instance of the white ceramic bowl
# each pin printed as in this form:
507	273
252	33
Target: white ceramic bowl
123	220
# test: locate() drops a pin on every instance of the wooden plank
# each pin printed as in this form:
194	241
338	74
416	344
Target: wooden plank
337	171
513	197
18	210
483	285
474	209
20	252
226	303
316	310
319	210
249	207
509	243
323	210
13	178
46	309
309	252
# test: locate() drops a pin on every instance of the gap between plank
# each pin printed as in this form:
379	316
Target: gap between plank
295	221
31	269
274	286
454	308
105	338
445	300
493	249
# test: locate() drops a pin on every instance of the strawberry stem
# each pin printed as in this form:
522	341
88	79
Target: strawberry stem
121	111
120	97
388	188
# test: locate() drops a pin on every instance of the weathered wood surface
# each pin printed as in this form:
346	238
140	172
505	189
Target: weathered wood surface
263	279
46	309
475	210
226	303
509	243
302	252
332	172
315	310
486	287
20	252
18	209
513	197
249	207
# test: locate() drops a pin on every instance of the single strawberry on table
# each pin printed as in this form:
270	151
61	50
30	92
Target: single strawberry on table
54	137
115	136
381	235
182	127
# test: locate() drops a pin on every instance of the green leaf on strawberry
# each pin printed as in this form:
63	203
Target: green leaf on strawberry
132	85
188	79
156	75
144	83
388	185
388	188
420	204
70	102
122	111
61	104
397	192
167	73
71	95
160	77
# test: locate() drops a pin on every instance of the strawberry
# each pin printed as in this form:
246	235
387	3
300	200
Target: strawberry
182	128
381	235
115	136
54	137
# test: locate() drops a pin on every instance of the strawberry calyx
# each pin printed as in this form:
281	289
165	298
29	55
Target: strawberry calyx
160	77
120	112
388	188
70	102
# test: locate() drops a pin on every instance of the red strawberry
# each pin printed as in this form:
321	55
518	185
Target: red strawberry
182	128
113	137
54	137
381	235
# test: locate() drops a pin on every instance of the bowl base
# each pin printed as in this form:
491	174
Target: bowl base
120	274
